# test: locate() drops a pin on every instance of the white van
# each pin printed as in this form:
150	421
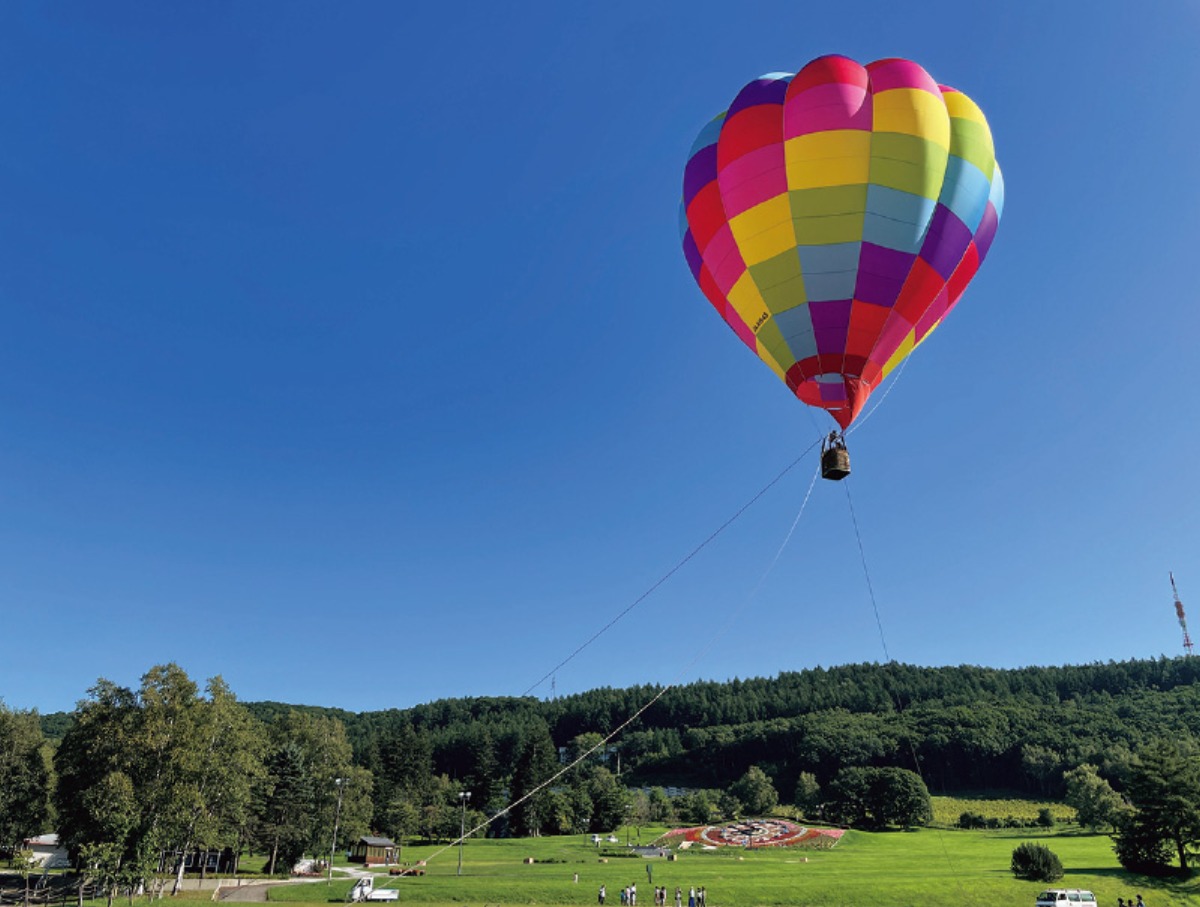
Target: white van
1066	897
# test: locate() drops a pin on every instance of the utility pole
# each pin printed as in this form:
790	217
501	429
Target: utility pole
337	815
463	797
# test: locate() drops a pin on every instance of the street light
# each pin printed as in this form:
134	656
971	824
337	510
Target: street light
463	797
337	815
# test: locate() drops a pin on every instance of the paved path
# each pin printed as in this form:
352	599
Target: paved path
257	893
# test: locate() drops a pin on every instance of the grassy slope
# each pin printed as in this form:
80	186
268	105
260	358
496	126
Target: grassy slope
929	868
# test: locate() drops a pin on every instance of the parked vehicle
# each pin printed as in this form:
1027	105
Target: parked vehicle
1066	897
365	890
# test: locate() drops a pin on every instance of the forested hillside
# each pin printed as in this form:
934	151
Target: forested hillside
966	727
170	766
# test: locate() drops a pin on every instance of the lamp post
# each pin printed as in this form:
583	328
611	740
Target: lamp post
463	797
337	815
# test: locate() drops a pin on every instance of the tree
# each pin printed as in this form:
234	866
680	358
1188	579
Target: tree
1036	862
1164	790
808	794
1043	765
906	798
876	797
729	807
401	819
1096	804
609	800
661	808
535	765
201	759
756	792
100	862
91	761
284	806
483	780
1140	847
699	807
25	778
332	776
24	864
439	815
151	775
590	744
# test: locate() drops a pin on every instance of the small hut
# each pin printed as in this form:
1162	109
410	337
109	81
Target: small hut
371	851
47	852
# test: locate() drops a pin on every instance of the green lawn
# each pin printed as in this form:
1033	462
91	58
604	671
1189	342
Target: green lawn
927	868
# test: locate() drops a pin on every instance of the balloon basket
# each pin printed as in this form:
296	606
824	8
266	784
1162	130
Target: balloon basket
835	463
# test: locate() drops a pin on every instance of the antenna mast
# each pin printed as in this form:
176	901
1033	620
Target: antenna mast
1187	640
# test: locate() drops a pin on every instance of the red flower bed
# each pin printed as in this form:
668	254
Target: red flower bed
759	833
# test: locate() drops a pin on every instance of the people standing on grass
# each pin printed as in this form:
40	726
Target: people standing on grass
692	897
678	896
601	896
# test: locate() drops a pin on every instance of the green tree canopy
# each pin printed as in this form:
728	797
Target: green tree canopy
869	797
25	778
756	792
1164	791
151	775
1097	805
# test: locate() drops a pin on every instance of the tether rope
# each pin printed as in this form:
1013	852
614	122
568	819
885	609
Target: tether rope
867	573
666	576
721	631
896	704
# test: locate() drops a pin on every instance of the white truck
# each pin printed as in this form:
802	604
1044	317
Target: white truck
364	890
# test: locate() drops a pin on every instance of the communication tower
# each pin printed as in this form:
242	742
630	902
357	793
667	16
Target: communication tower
1187	640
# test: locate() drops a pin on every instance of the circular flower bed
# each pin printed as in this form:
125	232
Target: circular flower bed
758	833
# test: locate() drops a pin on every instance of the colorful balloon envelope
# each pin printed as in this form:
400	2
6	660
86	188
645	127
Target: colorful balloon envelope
834	217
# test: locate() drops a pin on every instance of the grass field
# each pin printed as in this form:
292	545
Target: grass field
926	868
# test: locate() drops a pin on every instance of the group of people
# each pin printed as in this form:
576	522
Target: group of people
1121	902
697	897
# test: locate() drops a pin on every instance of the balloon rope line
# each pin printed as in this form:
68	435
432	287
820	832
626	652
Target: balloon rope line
867	573
883	641
666	576
721	631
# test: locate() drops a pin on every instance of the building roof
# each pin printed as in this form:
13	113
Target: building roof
376	842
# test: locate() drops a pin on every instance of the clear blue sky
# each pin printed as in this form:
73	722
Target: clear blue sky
348	352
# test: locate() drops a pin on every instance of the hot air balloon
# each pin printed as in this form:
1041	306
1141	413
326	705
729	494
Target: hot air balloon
834	217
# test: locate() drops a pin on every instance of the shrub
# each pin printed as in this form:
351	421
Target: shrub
971	820
1036	862
1045	817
